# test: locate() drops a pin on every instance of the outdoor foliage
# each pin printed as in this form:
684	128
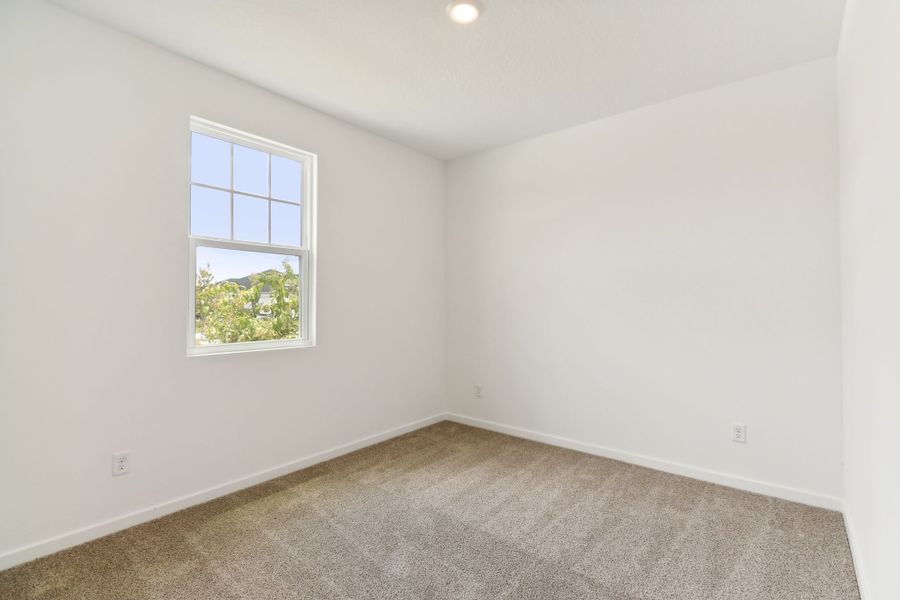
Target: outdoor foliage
268	308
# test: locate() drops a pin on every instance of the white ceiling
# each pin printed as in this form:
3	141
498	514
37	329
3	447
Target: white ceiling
400	68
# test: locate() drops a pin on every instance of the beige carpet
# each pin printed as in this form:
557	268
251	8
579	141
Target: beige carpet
455	512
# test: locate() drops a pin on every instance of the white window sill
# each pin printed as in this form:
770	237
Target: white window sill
242	348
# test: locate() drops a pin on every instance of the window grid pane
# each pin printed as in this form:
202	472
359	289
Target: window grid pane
250	170
287	179
287	226
210	160
210	212
251	219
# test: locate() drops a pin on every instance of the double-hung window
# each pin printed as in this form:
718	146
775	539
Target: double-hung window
252	242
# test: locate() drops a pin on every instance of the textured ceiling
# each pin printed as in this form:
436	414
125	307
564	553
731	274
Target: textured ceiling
400	68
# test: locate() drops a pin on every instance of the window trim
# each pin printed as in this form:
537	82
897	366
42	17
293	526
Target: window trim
306	252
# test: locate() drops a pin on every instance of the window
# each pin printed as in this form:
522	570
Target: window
252	242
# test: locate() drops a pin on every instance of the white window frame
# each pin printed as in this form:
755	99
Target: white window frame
306	252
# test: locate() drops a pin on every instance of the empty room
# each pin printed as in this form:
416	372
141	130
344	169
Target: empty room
450	300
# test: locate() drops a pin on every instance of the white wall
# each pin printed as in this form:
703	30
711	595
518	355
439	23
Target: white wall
93	284
642	281
869	130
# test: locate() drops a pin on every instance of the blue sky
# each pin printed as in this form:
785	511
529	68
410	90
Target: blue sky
230	264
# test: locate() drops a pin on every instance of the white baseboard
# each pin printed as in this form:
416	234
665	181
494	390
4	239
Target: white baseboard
96	530
861	580
733	481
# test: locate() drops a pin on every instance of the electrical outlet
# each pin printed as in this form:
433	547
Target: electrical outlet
739	433
477	390
121	462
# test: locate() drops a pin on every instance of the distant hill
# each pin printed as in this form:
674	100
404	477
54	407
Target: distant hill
244	282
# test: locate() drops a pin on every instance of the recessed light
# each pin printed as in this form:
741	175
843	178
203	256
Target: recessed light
463	12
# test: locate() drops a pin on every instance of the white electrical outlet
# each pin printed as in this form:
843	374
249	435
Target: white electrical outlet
739	433
121	462
477	390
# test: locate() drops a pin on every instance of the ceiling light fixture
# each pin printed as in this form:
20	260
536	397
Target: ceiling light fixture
463	12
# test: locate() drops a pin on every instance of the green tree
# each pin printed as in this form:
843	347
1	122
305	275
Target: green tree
269	309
